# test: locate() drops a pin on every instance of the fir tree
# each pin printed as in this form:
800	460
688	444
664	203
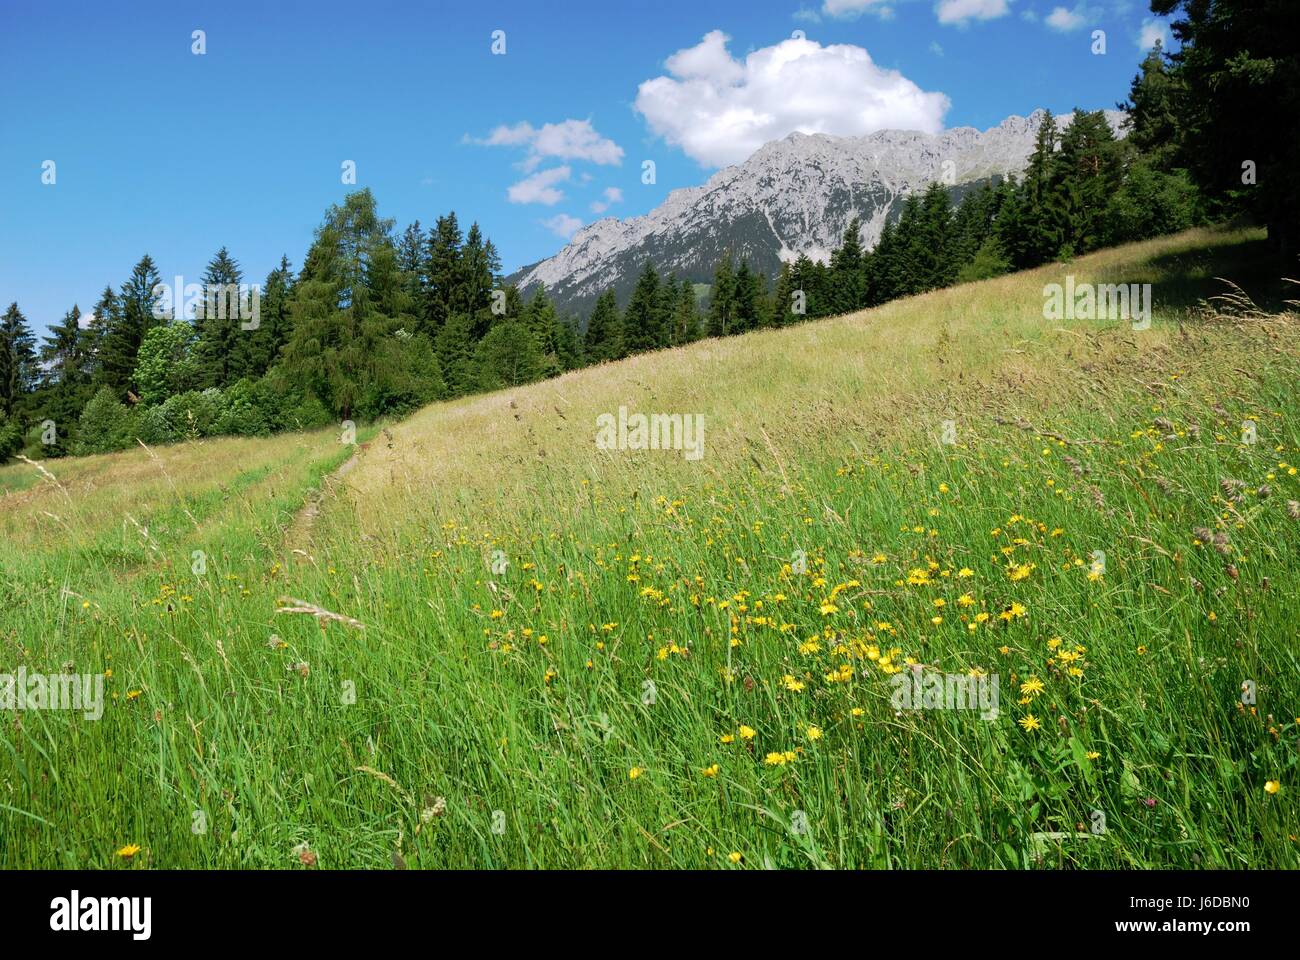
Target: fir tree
218	323
134	319
643	321
722	298
18	367
848	284
604	337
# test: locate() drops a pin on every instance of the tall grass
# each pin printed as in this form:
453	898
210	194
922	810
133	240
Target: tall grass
690	664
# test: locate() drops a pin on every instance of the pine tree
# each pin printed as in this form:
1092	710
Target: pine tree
477	277
540	318
257	350
1239	63
218	324
750	313
18	367
443	270
722	298
643	321
928	257
455	347
108	313
134	319
63	354
848	285
604	337
1088	174
783	300
1038	210
686	314
413	258
351	345
1151	114
568	344
882	267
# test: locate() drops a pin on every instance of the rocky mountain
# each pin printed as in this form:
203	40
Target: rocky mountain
791	196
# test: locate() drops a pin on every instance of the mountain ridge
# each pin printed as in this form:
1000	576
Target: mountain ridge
792	196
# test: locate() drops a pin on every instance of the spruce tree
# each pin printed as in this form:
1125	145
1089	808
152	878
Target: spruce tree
604	337
218	323
643	321
686	314
134	319
443	272
108	312
63	354
18	367
722	298
848	285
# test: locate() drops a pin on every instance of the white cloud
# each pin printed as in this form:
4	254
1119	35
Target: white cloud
719	110
562	225
568	140
962	12
612	195
1153	30
935	48
1066	20
540	187
846	9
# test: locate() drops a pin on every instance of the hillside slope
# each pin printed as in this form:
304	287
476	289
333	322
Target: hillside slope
501	646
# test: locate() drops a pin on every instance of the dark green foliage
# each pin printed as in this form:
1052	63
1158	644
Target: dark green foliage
645	326
848	280
126	327
1234	96
722	299
604	337
18	367
352	345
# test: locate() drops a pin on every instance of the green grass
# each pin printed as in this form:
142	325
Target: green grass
643	568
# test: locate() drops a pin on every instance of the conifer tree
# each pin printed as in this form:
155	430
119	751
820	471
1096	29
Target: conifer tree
18	367
218	324
643	321
722	298
443	272
134	318
686	314
604	337
848	284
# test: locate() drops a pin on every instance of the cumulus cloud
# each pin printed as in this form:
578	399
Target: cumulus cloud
562	225
612	195
1153	30
569	140
540	187
961	12
1066	20
719	109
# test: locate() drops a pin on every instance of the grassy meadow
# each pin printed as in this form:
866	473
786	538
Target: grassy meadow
487	644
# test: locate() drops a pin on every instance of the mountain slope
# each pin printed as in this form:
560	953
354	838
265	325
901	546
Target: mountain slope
792	196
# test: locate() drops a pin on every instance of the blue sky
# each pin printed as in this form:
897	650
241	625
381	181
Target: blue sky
160	150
